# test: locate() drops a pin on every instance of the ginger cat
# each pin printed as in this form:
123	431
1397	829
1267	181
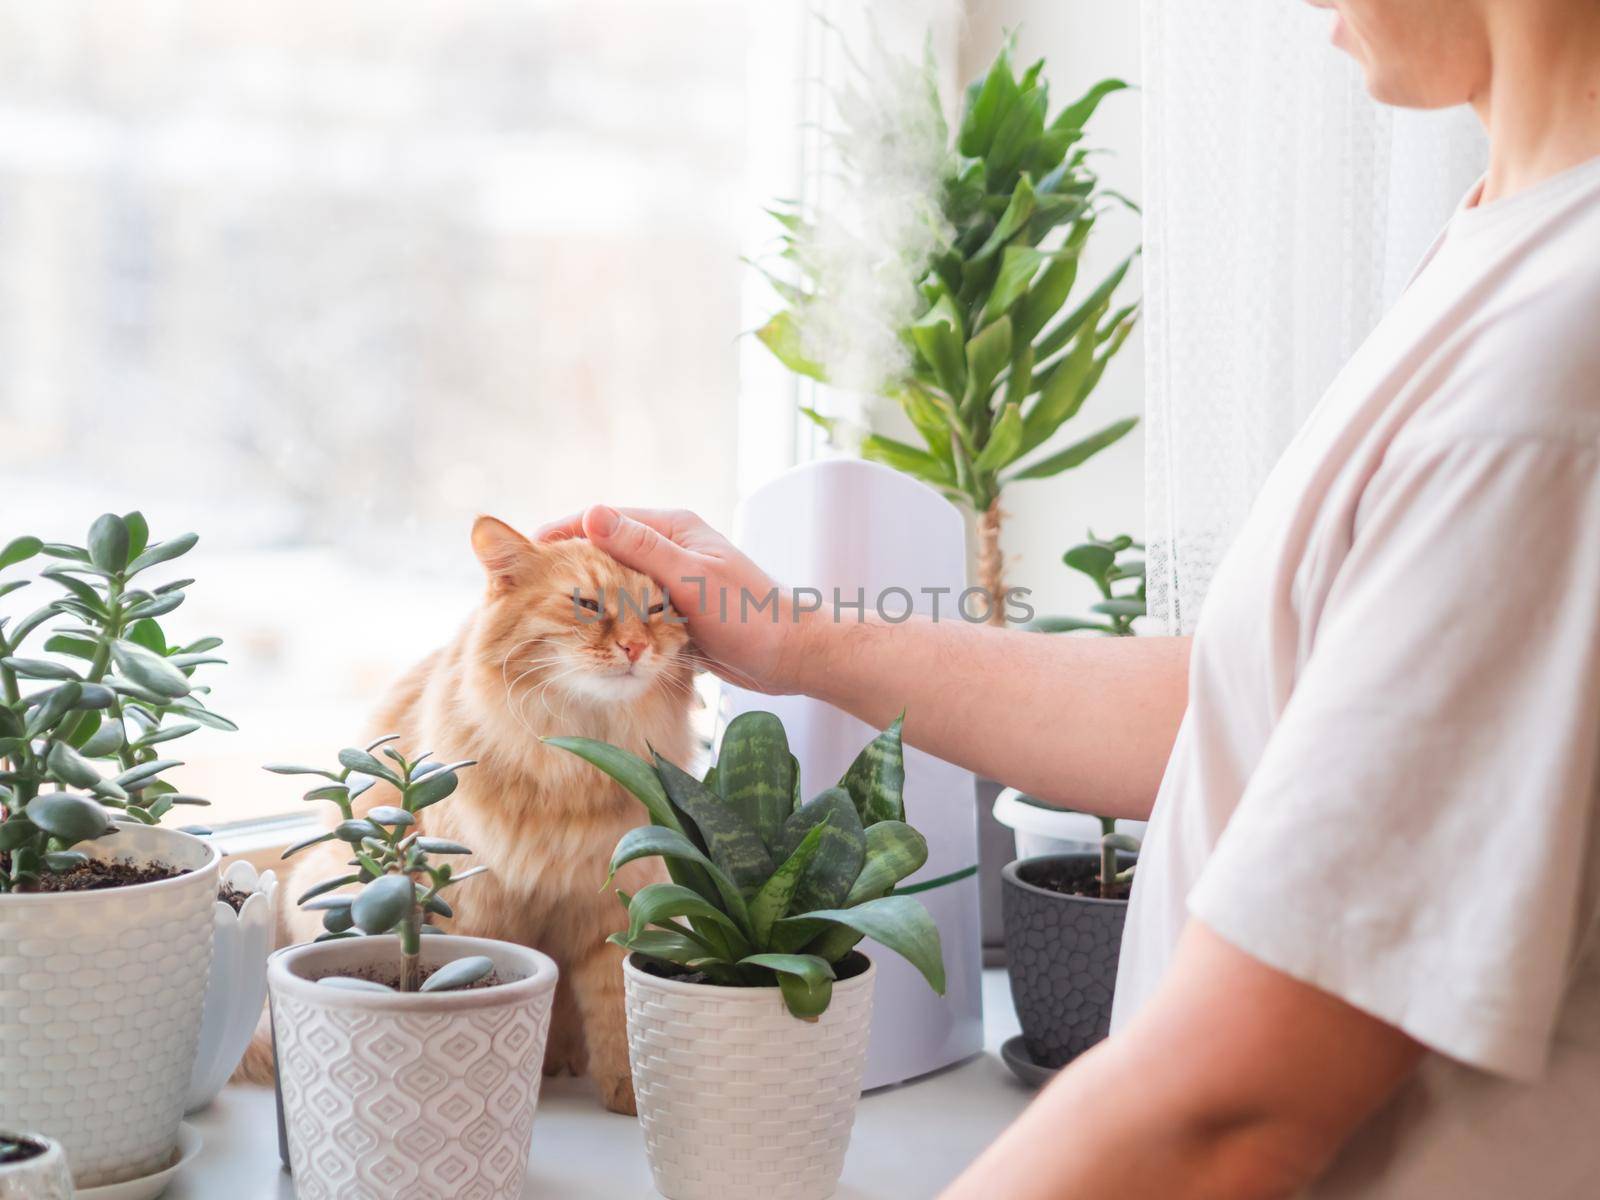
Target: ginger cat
535	661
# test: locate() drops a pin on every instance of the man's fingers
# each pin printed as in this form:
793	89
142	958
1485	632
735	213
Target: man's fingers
559	531
634	544
663	521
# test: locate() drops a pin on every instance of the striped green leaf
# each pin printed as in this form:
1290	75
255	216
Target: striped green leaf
651	840
754	773
805	980
772	901
660	902
831	871
731	841
894	851
877	778
897	923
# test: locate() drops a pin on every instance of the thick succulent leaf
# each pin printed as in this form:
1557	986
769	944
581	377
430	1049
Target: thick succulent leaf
754	773
773	900
19	550
894	851
383	903
149	671
827	878
67	817
70	767
877	778
805	980
658	903
108	542
898	923
732	841
649	840
349	983
458	973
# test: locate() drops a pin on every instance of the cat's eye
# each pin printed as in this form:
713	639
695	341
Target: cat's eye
656	610
584	602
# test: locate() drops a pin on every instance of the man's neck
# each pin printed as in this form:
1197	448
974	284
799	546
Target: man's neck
1542	105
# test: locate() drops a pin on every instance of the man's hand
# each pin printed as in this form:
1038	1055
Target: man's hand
711	584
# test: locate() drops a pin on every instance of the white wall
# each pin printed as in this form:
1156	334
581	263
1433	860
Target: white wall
1082	42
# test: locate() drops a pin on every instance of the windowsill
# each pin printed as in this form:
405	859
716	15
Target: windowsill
909	1140
261	842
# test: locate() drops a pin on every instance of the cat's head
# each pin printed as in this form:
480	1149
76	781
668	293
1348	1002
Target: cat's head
568	617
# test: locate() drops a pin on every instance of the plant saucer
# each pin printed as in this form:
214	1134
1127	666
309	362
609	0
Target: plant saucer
150	1186
1014	1052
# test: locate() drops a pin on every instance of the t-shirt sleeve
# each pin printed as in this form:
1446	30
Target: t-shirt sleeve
1418	838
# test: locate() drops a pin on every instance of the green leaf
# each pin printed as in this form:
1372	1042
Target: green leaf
389	814
876	779
433	845
1018	266
293	769
205	716
1076	114
805	980
940	338
782	336
732	842
156	606
1066	329
894	851
1005	441
656	903
900	924
307	843
148	634
360	760
1064	389
106	740
138	532
986	105
772	901
77	647
348	983
987	354
661	943
70	767
326	886
1018	210
137	776
651	840
19	550
917	463
163	551
15	831
68	818
1091	560
1120	608
459	973
755	776
39	668
383	903
108	542
149	671
628	769
1051	289
1079	452
837	862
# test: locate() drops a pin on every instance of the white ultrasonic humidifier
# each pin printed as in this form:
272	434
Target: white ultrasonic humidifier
859	527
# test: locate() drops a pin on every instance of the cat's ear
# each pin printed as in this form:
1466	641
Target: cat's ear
506	555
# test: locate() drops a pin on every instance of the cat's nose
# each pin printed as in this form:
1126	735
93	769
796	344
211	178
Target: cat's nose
633	649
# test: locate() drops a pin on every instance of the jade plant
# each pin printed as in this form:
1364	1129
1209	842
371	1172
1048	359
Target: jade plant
398	885
1121	584
84	718
768	889
990	352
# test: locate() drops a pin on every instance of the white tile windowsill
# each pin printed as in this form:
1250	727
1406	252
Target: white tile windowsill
909	1140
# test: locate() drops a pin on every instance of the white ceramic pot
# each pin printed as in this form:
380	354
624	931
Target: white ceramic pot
426	1094
1041	831
42	1177
238	987
739	1099
100	1001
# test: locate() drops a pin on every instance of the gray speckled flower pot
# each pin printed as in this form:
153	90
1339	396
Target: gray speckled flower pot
1061	954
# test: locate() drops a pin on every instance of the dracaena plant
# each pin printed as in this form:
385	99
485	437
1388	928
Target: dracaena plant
84	718
997	351
766	888
392	869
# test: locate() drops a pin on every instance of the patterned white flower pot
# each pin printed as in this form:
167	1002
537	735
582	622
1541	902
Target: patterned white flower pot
100	1001
238	986
408	1097
739	1099
42	1177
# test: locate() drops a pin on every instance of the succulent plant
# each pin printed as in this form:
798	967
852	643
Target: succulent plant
767	889
81	749
994	361
398	885
1103	562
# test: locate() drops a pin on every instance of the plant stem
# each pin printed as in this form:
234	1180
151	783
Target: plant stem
410	949
1108	858
991	562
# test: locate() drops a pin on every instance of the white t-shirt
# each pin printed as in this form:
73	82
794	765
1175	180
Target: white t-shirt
1386	781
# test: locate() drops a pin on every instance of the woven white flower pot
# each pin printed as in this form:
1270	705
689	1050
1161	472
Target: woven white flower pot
739	1100
43	1177
100	1001
408	1097
238	987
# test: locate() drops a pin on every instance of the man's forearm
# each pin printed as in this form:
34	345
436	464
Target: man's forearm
1087	723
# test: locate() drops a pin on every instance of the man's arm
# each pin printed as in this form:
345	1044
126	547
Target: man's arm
1236	1081
1087	723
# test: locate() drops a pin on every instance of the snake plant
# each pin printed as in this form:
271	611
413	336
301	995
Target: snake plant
768	888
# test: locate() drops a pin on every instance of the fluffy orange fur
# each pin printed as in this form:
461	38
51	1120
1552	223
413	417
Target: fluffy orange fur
531	662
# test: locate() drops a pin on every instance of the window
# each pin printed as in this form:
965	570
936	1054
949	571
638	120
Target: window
322	281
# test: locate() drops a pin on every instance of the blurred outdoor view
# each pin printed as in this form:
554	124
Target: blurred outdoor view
321	281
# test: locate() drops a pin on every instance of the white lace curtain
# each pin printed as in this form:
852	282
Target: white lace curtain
1284	211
